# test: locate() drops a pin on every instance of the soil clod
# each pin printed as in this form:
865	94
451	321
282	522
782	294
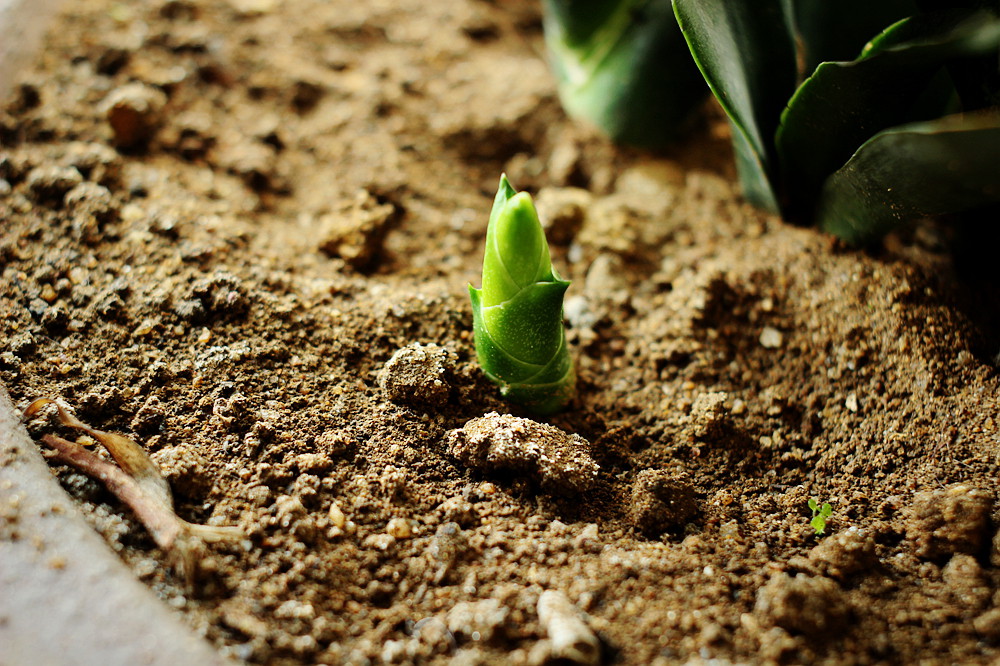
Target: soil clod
967	581
49	184
814	606
661	502
418	375
844	554
561	462
954	520
134	113
355	231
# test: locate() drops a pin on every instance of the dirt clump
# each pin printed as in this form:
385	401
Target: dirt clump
661	501
496	442
844	554
811	605
355	231
418	374
51	183
949	521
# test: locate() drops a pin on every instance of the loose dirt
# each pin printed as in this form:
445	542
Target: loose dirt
223	220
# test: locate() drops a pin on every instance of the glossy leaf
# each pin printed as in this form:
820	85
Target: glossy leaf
949	165
623	66
839	30
845	103
746	52
977	80
578	21
943	5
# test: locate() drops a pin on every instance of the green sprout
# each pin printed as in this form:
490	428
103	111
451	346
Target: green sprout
517	315
623	65
895	117
820	514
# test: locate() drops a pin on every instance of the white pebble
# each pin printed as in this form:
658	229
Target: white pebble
570	636
771	338
399	528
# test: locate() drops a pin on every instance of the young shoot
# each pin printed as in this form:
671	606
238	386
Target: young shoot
517	314
820	514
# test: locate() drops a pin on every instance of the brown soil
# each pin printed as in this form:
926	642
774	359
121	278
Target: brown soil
222	218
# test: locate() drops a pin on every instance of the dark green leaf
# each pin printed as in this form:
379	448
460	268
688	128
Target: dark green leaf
944	166
839	30
977	80
944	5
845	103
579	21
747	54
624	67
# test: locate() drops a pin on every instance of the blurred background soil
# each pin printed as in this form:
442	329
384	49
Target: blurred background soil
220	220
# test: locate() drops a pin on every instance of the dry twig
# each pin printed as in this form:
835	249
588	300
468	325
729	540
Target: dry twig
136	481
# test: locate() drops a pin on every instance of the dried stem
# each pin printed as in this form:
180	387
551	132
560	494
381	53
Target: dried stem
137	482
162	523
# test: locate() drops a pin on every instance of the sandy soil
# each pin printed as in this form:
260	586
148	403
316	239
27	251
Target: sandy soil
222	218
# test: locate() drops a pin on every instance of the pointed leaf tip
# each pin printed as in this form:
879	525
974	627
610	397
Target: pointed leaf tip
521	241
506	187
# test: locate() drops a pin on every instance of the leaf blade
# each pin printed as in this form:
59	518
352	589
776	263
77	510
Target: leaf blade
746	53
623	66
843	104
839	30
944	166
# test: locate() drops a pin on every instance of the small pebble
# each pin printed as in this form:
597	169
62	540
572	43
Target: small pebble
336	515
399	528
48	294
771	338
570	637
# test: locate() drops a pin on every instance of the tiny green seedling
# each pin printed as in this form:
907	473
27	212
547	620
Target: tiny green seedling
517	315
820	514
